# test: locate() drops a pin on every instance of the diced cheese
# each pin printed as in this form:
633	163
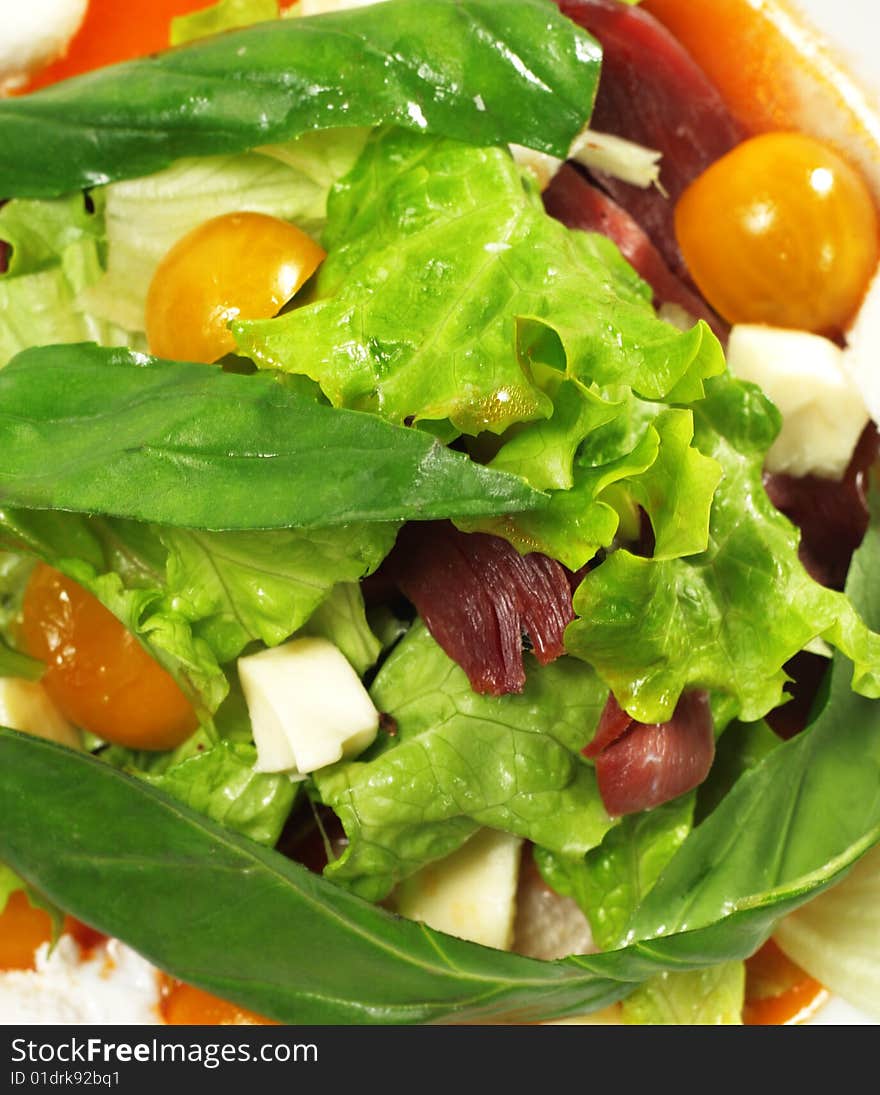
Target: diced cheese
25	705
471	893
806	376
319	7
35	33
307	705
862	355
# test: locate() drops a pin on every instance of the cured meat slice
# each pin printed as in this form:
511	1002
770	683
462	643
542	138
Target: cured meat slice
652	92
578	203
832	515
478	597
640	765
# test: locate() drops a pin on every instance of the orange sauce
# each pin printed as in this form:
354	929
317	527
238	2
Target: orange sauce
778	992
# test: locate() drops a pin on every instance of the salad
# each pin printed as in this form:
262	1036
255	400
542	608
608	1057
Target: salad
438	573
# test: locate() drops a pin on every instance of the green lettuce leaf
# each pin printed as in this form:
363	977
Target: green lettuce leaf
196	600
10	883
456	240
341	618
653	627
123	564
460	761
242	587
15	664
56	256
612	880
710	997
218	780
224	15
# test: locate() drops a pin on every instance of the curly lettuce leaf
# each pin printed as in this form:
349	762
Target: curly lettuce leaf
460	761
653	627
446	280
595	490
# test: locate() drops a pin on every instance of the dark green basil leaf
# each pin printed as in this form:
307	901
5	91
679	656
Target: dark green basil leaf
117	433
476	70
141	866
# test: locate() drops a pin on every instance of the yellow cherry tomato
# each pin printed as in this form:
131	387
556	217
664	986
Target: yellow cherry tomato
782	231
237	266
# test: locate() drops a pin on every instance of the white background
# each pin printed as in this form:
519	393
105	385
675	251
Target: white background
854	26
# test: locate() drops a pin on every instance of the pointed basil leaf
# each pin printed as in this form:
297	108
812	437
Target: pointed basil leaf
194	446
476	70
143	867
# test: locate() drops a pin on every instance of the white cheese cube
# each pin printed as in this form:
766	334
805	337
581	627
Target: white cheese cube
307	705
471	893
25	706
35	33
806	376
862	355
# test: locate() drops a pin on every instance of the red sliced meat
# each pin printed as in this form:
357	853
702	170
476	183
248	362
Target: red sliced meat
577	203
640	765
652	92
613	724
832	515
478	596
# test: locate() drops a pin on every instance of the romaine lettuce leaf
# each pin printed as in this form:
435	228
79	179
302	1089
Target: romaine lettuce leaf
610	882
654	627
217	779
56	257
241	587
446	280
459	761
223	15
709	997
